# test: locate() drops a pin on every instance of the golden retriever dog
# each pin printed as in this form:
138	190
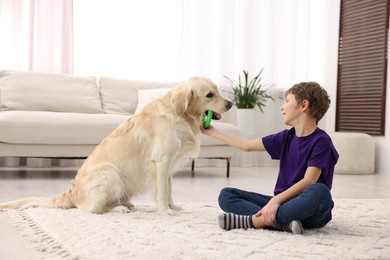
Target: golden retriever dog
141	153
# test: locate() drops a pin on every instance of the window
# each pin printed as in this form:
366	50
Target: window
362	66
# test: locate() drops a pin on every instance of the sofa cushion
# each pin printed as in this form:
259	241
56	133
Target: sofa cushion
147	95
36	127
35	91
120	96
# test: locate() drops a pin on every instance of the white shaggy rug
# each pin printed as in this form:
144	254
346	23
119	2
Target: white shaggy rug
360	229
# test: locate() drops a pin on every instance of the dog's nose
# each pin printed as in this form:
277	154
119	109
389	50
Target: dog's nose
229	104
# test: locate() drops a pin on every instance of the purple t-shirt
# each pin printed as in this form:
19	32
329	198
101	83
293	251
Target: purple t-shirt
297	153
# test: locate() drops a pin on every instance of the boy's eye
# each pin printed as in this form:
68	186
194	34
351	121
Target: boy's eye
210	95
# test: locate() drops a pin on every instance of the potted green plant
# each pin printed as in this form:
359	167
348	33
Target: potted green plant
249	93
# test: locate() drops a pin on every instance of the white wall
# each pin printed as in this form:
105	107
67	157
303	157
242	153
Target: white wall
382	163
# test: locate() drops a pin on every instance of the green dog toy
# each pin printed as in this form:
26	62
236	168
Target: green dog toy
207	119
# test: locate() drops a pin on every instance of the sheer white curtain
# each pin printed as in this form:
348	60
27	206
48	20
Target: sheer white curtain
286	37
167	40
128	38
175	39
36	35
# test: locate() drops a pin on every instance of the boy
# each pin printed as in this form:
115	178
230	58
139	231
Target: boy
302	197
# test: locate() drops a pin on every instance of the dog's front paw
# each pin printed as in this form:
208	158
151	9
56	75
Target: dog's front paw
167	211
172	212
175	207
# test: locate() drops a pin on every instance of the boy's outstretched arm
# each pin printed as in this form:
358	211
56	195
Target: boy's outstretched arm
238	142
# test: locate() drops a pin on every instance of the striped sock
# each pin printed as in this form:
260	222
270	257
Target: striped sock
231	221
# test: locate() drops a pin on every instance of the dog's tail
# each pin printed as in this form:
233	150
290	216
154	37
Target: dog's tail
26	203
59	201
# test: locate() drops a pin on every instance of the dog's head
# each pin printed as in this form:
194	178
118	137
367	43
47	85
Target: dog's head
197	95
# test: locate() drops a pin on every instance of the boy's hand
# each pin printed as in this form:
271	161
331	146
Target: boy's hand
209	131
269	213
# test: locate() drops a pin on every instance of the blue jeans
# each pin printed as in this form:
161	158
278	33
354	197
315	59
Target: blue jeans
312	207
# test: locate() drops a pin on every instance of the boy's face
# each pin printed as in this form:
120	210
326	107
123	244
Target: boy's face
291	110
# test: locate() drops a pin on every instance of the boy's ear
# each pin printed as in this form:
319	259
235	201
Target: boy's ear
305	105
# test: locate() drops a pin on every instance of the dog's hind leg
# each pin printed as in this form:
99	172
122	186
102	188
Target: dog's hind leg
101	190
128	204
120	209
125	202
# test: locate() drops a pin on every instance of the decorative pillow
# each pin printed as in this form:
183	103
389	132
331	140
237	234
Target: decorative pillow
147	95
35	91
120	96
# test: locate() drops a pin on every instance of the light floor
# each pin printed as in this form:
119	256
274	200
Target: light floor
205	186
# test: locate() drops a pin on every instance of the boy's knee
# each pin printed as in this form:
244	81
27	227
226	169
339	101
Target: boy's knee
321	188
323	192
224	196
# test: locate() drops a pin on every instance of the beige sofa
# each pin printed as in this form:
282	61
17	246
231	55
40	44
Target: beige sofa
65	116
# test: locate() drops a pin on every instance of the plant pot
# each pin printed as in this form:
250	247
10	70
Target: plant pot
246	122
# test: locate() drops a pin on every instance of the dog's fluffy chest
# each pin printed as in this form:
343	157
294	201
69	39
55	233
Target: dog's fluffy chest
188	137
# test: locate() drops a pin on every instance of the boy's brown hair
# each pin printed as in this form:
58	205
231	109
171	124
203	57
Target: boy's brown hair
317	96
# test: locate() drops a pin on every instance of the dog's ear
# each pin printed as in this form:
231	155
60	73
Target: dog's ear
181	98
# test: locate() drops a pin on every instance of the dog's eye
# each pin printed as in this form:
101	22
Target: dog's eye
210	95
